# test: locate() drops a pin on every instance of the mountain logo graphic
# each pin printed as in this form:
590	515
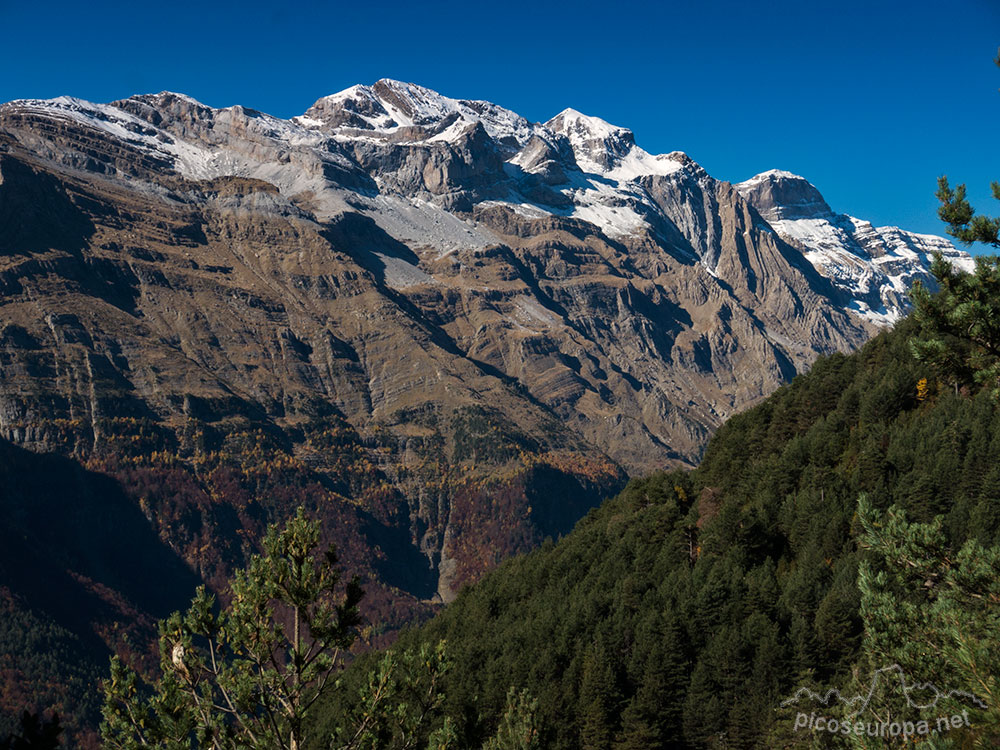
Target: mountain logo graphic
858	703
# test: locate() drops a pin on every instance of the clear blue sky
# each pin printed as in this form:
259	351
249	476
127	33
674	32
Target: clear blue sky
871	100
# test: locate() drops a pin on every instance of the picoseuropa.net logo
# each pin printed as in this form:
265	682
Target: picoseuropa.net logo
919	696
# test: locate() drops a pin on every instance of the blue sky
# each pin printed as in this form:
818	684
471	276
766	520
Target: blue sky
870	101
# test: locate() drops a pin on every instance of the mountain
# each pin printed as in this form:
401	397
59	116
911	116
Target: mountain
446	330
631	295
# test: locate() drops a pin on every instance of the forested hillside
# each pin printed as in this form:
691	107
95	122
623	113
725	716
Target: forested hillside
681	613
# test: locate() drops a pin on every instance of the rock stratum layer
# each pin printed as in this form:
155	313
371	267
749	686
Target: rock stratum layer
447	330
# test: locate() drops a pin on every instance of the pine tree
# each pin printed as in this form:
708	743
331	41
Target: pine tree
598	701
935	612
518	728
963	223
400	702
653	719
705	707
955	210
642	718
959	325
239	678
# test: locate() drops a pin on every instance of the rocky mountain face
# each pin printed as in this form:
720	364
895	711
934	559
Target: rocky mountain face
447	330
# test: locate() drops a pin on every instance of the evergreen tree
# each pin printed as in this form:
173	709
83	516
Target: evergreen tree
642	718
959	326
598	703
705	708
963	223
653	718
518	728
935	612
400	703
249	675
961	218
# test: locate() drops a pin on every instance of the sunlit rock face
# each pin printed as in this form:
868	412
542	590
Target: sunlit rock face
457	329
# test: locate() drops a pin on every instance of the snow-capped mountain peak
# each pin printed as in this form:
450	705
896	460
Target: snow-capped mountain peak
609	150
873	266
580	127
781	195
597	144
389	106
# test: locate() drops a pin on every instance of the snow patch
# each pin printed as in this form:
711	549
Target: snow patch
769	175
870	263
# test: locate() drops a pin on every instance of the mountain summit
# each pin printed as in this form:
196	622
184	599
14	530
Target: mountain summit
874	267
